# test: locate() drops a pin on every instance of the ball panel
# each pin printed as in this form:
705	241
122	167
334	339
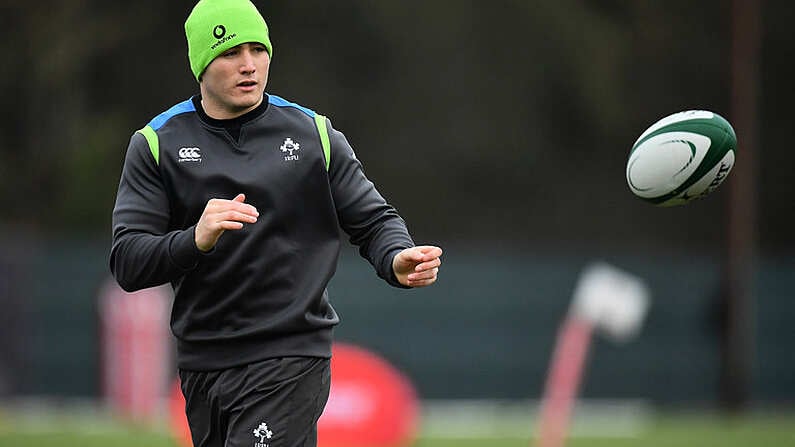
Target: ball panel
713	178
664	162
706	184
722	143
687	115
715	129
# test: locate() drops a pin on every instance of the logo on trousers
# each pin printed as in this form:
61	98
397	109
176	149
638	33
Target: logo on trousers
190	154
263	433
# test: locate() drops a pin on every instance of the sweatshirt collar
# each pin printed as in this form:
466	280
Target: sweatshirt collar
234	123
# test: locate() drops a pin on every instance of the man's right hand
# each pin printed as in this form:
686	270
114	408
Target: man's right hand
220	215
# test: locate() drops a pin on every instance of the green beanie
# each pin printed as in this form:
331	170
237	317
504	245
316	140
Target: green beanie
215	26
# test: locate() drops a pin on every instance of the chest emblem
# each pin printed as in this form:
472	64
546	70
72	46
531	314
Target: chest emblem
290	149
190	154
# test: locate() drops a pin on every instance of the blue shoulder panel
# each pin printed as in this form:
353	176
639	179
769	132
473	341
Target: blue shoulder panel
281	102
183	107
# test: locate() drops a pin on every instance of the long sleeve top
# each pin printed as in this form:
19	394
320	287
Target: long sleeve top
261	291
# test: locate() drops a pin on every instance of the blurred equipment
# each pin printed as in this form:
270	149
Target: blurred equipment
370	404
135	350
605	299
681	157
738	347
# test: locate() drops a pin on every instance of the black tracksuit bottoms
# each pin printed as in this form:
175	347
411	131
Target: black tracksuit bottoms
271	403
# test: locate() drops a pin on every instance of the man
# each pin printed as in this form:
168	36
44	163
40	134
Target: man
235	197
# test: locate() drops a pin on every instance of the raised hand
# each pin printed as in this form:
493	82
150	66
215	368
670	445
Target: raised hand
220	215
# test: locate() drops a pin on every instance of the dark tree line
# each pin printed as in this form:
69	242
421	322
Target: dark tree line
501	122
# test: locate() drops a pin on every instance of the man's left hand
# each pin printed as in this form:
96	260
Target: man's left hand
417	266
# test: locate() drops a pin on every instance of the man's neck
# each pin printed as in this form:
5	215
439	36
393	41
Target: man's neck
224	113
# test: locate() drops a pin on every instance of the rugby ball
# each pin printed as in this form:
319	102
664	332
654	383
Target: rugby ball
682	157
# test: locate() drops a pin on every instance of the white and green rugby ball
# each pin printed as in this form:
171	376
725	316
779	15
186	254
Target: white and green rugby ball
682	157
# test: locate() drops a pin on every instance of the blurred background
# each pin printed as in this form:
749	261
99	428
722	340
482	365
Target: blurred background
499	130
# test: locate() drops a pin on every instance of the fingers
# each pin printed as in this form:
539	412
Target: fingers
222	205
427	257
418	266
220	215
428	252
421	254
423	279
223	213
432	264
421	276
236	216
230	225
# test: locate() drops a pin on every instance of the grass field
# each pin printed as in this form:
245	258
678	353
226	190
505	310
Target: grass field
772	430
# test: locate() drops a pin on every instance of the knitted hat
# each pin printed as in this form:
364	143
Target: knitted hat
215	26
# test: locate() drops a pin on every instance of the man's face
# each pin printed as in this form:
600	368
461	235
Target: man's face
234	82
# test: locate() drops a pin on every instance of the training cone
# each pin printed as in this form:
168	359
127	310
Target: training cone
371	403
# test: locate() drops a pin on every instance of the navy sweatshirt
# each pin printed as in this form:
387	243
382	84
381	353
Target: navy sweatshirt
261	292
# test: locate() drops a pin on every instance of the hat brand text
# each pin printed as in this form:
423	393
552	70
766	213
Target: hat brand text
220	41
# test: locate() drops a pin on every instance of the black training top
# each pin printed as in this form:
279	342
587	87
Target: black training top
261	292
